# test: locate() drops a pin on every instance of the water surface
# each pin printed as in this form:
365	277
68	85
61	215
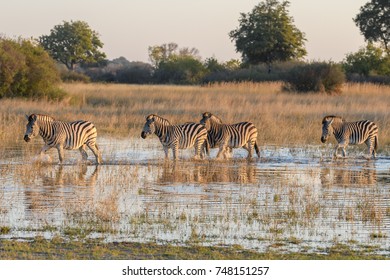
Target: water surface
293	198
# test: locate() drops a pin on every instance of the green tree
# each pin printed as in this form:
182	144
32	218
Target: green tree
369	60
373	21
267	34
27	70
176	65
165	52
73	42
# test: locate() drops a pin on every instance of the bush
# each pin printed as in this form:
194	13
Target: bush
251	73
26	70
315	77
180	70
121	71
73	76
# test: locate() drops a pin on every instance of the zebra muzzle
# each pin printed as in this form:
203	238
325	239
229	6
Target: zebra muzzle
323	139
143	134
26	138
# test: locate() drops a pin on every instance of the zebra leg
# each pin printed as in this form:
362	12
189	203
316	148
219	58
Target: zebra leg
221	151
60	150
175	152
95	150
371	149
335	151
166	149
229	152
84	154
198	149
257	149
44	149
248	147
344	152
223	148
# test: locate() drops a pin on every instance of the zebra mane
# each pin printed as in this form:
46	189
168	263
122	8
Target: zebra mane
212	117
333	117
158	119
40	117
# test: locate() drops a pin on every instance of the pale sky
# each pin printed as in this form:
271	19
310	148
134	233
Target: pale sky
128	27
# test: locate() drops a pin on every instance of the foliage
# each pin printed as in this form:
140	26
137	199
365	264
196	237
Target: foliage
73	42
267	34
179	70
120	70
174	65
373	21
252	73
73	76
26	70
367	61
315	77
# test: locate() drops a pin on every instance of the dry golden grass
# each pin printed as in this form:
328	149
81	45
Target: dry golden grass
281	118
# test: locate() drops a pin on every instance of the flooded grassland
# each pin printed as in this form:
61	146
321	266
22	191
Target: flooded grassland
291	200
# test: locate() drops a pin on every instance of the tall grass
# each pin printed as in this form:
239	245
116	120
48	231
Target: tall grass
281	118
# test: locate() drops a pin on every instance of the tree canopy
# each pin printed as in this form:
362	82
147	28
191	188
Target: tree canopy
73	42
368	61
373	21
267	34
26	70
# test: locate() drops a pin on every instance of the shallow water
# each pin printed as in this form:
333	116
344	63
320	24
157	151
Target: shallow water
293	198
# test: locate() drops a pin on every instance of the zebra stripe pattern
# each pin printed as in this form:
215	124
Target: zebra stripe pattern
229	136
352	133
63	135
177	137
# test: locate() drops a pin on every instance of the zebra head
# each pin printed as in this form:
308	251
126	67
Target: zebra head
327	129
149	127
32	128
206	120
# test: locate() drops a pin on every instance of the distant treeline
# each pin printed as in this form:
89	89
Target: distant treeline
190	71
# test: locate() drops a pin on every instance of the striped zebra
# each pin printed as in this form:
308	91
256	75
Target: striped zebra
177	137
229	136
63	135
350	133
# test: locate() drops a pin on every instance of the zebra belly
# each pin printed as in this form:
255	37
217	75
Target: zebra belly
355	141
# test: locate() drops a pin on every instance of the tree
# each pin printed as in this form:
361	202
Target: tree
165	52
73	42
174	65
27	70
373	21
267	34
367	61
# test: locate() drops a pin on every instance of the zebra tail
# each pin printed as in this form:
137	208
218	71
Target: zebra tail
257	149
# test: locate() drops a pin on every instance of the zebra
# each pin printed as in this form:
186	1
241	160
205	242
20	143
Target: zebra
350	133
63	135
229	136
177	137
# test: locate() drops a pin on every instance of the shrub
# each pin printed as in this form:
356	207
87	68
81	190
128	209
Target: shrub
26	70
180	70
73	76
315	77
252	73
